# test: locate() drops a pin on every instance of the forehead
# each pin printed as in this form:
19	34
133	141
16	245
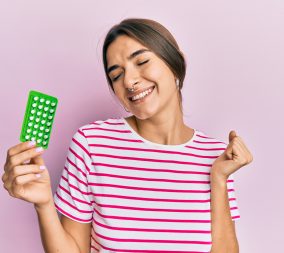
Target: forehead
122	47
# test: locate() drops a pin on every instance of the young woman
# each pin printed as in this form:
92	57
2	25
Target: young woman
145	183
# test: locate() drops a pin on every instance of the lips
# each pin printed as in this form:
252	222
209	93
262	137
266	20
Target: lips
141	100
138	92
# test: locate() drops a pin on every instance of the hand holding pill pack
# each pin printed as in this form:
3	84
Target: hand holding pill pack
38	119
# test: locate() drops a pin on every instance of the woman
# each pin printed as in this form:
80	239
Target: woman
145	183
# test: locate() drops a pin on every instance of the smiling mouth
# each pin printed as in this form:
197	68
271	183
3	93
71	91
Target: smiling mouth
139	99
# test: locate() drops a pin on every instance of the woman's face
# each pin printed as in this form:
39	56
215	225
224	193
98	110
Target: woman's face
147	71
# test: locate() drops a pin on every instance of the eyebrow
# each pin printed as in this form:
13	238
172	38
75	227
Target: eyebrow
134	54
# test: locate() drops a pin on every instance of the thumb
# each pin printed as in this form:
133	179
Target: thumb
232	135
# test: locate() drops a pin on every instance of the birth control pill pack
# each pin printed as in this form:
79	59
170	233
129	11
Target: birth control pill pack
39	118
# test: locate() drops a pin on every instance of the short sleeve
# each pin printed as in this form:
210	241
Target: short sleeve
235	212
73	197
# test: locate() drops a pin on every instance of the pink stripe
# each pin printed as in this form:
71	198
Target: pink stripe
149	160
153	230
144	251
68	214
151	199
204	148
152	150
148	169
112	138
159	209
149	189
73	175
150	241
110	130
80	158
154	199
209	142
205	137
149	179
74	207
74	187
74	198
80	145
72	163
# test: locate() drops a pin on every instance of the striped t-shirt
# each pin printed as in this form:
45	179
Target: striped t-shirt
140	196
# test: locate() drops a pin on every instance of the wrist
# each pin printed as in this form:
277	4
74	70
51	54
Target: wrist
43	206
216	176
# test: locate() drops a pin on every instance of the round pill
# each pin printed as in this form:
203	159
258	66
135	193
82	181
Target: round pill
40	106
34	105
35	98
29	130
47	102
44	115
41	100
30	124
31	117
34	132
39	134
33	138
37	120
38	141
46	108
45	137
27	137
51	110
36	126
48	123
44	142
47	130
32	111
49	117
53	104
43	121
38	113
41	128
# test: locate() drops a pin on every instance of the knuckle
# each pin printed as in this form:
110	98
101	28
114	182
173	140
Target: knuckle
17	181
12	162
9	152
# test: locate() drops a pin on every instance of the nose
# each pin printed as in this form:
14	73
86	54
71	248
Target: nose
131	77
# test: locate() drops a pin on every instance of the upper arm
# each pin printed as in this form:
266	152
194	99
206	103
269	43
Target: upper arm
81	232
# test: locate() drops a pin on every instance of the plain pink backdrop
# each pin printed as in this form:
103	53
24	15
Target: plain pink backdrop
234	81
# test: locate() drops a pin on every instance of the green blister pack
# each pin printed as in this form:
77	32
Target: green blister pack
39	118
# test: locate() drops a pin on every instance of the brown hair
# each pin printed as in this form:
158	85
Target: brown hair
154	36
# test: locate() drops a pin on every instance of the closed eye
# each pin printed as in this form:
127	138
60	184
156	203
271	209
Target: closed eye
115	78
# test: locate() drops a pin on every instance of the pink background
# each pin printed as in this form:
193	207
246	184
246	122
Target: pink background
234	81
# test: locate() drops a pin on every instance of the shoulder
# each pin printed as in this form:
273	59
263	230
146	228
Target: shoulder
99	125
204	137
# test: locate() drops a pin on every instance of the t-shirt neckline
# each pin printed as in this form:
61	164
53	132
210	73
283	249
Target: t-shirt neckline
178	146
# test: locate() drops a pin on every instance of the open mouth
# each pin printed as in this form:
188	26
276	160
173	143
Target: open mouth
141	97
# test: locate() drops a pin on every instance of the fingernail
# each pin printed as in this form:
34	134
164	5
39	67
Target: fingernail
39	149
31	143
42	167
38	175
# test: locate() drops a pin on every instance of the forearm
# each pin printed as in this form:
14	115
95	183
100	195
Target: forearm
224	239
54	238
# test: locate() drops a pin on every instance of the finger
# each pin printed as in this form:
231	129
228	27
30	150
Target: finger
21	157
245	149
20	148
239	154
21	171
19	181
38	160
232	135
25	169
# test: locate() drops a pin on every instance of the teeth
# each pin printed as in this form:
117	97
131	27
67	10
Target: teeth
141	95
